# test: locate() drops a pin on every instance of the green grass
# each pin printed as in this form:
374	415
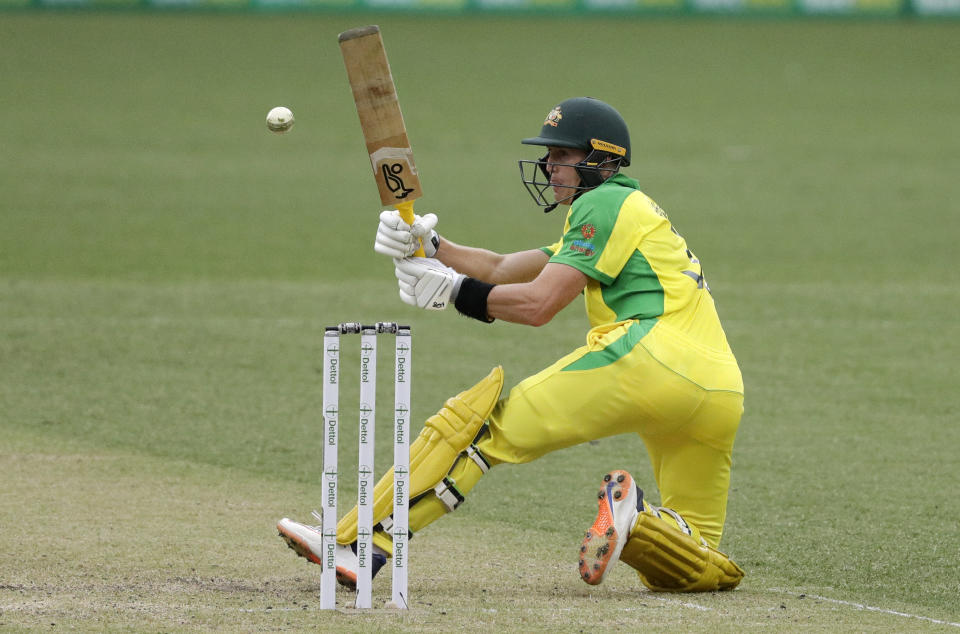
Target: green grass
167	268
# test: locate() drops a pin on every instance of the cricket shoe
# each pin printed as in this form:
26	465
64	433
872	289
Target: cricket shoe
620	500
307	541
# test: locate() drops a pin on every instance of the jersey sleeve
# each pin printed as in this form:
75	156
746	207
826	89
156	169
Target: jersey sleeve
582	246
551	250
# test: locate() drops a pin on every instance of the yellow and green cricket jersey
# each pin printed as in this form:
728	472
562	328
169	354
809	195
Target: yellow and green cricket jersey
640	268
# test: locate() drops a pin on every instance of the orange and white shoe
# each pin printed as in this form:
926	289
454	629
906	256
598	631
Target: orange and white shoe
307	541
620	500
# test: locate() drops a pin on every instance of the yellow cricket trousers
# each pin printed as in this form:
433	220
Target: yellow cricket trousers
683	398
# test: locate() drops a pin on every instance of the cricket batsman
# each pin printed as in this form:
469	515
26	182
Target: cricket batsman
656	363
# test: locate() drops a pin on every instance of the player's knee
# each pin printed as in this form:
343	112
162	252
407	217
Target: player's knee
450	432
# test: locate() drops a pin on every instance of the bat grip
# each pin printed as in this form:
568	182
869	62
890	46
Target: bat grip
406	214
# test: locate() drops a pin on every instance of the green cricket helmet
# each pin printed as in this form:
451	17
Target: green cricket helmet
586	124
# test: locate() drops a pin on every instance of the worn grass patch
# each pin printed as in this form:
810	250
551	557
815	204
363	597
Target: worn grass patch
135	543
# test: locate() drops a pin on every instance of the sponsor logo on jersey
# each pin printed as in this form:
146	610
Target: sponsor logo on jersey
582	246
588	231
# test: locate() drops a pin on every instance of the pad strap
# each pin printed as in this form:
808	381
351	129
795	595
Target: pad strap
448	493
681	523
474	454
386	526
446	490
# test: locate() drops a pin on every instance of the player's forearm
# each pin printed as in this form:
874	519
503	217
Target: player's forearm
489	266
532	303
521	304
477	263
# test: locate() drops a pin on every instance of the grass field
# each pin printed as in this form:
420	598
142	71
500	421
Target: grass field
167	268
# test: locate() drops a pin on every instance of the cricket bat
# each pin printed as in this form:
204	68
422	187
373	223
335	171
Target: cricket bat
381	120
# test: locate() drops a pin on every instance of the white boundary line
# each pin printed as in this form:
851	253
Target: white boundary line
685	604
862	606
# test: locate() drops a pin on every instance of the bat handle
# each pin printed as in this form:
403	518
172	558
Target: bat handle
406	213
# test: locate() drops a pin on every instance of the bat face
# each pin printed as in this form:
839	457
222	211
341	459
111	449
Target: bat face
384	131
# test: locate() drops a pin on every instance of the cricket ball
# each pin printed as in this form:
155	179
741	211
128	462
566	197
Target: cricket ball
279	119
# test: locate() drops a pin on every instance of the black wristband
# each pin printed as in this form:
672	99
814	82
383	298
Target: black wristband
472	299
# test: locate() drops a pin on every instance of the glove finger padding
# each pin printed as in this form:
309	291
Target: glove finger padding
418	266
391	248
389	234
392	220
423	225
428	282
409	290
407	297
394	238
406	278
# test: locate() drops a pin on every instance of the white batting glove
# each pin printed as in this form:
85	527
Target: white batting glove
397	239
427	283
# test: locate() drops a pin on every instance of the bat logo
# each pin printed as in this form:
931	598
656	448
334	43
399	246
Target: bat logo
391	174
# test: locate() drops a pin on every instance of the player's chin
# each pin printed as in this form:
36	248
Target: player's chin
562	195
